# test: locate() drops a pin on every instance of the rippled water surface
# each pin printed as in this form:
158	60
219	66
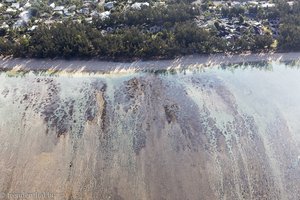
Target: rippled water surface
214	133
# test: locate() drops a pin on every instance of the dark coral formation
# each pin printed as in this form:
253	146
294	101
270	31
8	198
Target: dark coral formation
155	137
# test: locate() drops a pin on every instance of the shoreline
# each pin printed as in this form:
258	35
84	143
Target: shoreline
184	62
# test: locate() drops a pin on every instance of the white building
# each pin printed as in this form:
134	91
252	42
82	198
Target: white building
139	5
109	5
15	5
59	8
25	16
104	15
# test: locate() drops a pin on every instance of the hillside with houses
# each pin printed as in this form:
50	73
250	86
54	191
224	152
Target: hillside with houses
144	29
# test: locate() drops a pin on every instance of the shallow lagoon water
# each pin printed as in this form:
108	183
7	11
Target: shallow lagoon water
227	132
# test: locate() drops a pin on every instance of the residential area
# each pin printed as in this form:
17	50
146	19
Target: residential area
181	26
234	18
230	24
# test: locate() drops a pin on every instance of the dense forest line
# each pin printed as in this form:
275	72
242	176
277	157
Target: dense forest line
130	38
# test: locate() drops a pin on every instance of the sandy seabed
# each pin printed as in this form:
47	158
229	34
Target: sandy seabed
213	135
7	63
